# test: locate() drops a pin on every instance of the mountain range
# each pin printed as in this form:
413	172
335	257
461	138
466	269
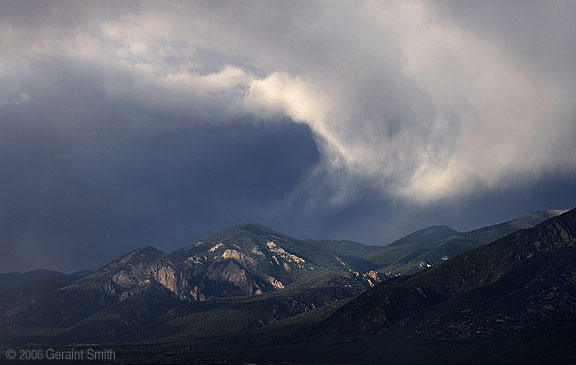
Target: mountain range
433	245
249	288
480	293
238	262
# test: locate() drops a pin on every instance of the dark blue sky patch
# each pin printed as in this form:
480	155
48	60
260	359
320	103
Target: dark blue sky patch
151	123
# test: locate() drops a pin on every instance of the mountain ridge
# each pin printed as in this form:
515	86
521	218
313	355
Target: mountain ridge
402	304
145	299
420	250
240	261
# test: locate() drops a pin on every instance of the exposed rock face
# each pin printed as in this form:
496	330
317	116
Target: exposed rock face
234	274
424	265
282	253
370	278
215	247
239	262
170	278
230	272
375	275
243	260
217	269
137	271
239	257
275	283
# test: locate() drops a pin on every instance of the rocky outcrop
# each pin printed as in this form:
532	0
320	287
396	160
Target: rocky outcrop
274	248
239	261
232	273
227	272
136	272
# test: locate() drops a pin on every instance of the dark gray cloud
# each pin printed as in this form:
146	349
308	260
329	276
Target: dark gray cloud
133	123
78	192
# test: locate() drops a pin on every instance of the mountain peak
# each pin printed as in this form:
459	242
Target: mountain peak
249	238
425	236
255	228
147	250
236	234
146	254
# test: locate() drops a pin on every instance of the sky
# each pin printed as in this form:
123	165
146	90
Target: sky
134	123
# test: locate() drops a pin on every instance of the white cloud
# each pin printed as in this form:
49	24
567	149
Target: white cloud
395	92
501	111
299	100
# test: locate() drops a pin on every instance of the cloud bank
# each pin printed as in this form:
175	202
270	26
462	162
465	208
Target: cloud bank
412	106
395	92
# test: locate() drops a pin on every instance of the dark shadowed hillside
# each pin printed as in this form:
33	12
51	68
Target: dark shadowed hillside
13	280
520	285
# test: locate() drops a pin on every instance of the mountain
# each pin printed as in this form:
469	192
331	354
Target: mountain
248	293
522	285
246	259
425	236
147	288
261	239
161	318
249	259
350	252
436	244
508	301
10	281
134	273
344	248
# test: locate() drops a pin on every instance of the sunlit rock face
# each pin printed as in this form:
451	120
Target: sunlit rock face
226	270
136	272
247	260
243	260
222	270
274	248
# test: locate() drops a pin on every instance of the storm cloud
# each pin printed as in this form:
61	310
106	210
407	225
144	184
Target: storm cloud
132	123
